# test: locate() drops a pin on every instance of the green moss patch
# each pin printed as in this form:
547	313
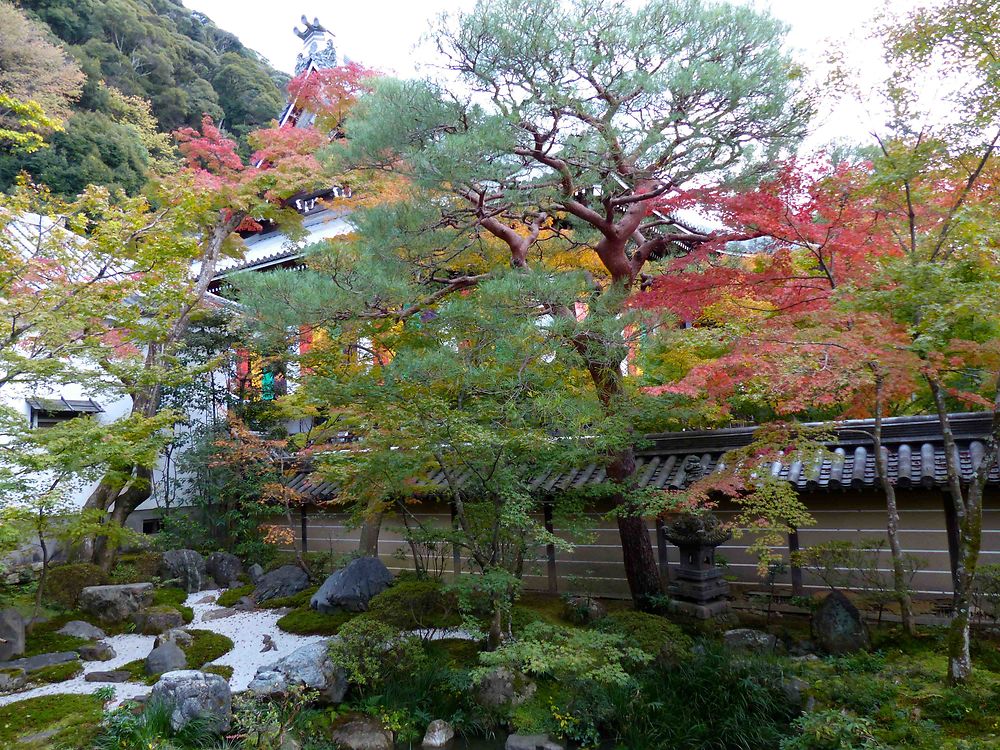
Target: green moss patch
306	621
300	599
454	653
206	646
56	673
65	582
229	597
72	719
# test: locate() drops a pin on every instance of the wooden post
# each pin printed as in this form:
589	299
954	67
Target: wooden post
793	548
951	528
550	548
456	552
305	529
661	550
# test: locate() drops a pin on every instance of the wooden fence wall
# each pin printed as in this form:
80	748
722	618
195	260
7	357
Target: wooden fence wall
595	562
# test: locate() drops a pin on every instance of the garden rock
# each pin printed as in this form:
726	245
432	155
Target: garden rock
166	657
362	733
584	609
187	567
352	587
99	651
439	733
748	639
194	695
11	634
115	675
501	687
309	666
225	568
34	663
795	691
218	614
284	581
82	629
245	604
156	620
12	679
113	604
837	626
531	742
177	636
256	572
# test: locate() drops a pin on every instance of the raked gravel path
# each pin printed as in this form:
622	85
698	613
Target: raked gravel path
246	629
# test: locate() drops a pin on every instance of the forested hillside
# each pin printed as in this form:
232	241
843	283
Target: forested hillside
132	52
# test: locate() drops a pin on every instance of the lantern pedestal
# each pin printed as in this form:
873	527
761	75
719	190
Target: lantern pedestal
698	588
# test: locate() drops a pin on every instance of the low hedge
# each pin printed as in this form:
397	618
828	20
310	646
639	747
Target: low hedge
64	583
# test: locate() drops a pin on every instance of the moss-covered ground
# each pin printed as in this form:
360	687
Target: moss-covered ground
68	722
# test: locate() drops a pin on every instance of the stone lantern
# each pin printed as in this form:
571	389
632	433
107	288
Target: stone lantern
698	587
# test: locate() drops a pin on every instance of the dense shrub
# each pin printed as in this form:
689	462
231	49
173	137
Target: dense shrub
416	603
137	567
65	582
370	651
655	635
710	701
833	730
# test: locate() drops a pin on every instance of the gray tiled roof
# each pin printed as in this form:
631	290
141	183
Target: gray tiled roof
673	460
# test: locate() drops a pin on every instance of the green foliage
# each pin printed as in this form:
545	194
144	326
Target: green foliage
125	728
267	724
371	651
43	639
986	591
655	635
832	730
71	719
411	604
136	567
710	700
304	620
65	582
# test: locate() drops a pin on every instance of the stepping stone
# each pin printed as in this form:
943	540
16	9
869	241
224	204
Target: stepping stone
34	663
81	629
115	675
218	614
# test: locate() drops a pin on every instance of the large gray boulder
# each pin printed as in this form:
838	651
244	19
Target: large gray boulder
439	733
837	626
99	651
167	657
156	620
185	566
256	572
194	694
82	629
748	639
284	581
502	688
309	666
352	587
11	634
12	679
361	733
225	568
113	604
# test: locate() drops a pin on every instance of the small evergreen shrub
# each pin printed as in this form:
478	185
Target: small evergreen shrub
655	635
416	603
833	730
65	582
370	651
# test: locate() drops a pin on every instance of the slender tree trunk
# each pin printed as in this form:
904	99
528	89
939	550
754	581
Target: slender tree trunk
41	581
900	585
370	529
969	511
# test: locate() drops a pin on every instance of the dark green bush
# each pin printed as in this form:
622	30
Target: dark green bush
416	603
65	582
709	701
655	635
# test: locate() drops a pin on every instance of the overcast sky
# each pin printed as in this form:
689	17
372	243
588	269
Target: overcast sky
382	34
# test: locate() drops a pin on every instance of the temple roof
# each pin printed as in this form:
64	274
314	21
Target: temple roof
673	460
